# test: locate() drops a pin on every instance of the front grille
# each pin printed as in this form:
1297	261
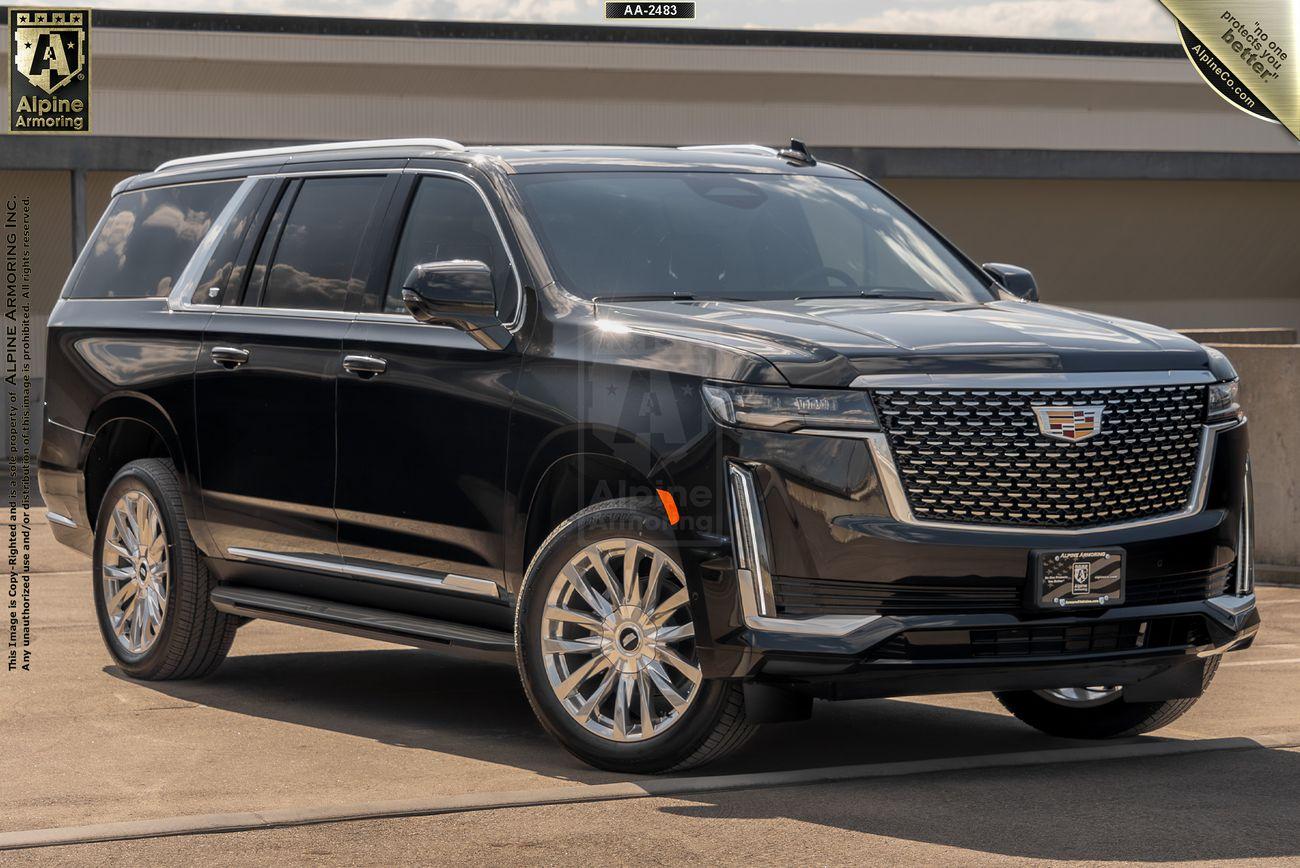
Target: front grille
798	598
1045	641
976	456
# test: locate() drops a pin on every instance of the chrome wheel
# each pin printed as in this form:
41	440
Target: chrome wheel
618	641
1080	697
134	572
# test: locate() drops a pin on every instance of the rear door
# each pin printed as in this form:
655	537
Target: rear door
265	387
422	443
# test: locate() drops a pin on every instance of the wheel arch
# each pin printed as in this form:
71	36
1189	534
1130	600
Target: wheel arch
125	427
566	481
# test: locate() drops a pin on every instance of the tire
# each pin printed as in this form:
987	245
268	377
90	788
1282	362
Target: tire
166	593
709	724
1113	718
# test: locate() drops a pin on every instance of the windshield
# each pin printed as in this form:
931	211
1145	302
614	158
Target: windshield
710	235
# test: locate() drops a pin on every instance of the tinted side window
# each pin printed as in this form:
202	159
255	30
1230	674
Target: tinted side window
311	268
146	239
222	269
449	220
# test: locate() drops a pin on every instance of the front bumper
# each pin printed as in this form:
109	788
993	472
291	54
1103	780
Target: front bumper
837	534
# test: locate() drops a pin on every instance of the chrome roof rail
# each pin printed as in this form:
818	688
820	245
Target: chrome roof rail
326	147
749	149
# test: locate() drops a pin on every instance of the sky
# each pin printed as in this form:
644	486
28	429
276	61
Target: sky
1129	20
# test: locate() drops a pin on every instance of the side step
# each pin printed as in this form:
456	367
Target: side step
479	642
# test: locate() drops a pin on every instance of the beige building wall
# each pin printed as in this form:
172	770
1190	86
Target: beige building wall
99	190
1176	253
51	245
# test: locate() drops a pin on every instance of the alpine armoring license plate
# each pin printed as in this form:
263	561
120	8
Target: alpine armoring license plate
1081	578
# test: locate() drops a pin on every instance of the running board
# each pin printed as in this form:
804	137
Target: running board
369	623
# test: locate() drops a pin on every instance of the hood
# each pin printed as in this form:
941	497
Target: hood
828	342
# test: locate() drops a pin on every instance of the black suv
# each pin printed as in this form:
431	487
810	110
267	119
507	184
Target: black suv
693	436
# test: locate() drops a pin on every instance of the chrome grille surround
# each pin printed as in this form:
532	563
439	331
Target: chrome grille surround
975	456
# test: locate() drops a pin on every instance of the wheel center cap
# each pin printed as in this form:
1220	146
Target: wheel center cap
629	640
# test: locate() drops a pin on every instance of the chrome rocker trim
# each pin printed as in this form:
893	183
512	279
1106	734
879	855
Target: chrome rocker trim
753	569
896	497
447	582
59	518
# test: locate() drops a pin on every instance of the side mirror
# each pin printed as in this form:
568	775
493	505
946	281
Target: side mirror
457	293
1015	280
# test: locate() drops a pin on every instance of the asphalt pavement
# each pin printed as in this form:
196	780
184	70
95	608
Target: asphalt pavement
314	726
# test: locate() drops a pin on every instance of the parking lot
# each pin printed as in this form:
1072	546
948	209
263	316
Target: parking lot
313	748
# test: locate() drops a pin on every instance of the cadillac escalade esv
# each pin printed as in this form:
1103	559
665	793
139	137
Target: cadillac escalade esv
692	436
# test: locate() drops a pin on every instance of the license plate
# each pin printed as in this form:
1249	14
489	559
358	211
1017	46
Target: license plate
1065	580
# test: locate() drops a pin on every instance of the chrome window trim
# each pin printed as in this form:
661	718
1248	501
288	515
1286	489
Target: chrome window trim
896	497
1035	381
445	582
189	276
753	568
198	261
516	321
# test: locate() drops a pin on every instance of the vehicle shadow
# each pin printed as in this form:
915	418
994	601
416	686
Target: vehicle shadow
1209	807
422	700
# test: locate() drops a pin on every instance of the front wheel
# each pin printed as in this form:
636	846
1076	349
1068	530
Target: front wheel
1096	712
605	641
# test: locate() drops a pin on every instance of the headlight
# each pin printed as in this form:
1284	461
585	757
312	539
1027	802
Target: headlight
1223	400
785	409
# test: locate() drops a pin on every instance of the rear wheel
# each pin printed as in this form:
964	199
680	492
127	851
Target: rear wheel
605	638
1096	712
150	584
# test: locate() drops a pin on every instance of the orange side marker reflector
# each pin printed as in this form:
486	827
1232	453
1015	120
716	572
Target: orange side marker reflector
670	506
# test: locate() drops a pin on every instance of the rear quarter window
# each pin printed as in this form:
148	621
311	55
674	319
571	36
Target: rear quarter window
145	239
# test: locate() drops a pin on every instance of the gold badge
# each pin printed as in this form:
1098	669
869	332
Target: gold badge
1246	51
49	82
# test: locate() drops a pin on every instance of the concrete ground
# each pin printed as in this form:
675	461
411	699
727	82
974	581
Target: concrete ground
302	719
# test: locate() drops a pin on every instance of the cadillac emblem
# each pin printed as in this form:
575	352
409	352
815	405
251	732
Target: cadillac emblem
1071	424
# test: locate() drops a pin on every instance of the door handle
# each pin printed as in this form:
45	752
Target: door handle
365	367
229	357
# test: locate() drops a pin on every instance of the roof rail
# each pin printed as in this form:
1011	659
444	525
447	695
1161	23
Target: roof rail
441	144
751	149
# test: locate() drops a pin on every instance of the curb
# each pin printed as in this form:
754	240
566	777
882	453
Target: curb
202	824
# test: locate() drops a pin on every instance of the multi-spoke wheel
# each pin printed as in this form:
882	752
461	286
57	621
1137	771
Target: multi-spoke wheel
618	640
151	587
134	571
606	636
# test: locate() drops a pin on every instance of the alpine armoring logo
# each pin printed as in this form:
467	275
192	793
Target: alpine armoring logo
49	81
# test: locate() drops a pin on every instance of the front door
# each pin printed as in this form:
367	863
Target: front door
423	413
265	387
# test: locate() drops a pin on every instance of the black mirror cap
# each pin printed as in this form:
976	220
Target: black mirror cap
457	293
449	289
1014	279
